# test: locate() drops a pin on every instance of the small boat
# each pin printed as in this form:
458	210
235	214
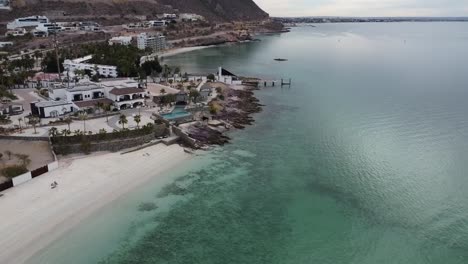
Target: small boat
280	59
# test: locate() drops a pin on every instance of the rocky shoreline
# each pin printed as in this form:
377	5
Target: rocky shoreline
234	112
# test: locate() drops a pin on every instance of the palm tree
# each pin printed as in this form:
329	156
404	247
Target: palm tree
68	121
34	120
8	153
123	120
107	109
163	91
19	122
53	132
83	117
100	106
137	120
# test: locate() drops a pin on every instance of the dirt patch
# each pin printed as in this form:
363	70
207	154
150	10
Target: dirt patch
38	151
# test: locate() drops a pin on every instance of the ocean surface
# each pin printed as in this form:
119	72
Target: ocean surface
363	160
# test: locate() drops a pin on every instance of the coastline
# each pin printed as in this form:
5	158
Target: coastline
39	215
177	51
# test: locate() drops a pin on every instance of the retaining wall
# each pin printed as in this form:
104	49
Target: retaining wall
25	138
184	137
18	180
112	146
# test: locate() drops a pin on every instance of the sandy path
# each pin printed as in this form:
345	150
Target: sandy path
33	215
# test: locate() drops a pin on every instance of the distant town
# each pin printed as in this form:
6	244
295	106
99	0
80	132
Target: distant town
288	20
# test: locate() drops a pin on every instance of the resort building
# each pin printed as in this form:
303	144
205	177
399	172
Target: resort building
50	109
125	93
85	91
79	64
32	21
89	26
4	44
155	43
5	4
118	93
122	40
16	32
190	17
170	16
49	28
157	23
11	109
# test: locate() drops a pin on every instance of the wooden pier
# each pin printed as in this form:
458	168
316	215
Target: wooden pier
269	83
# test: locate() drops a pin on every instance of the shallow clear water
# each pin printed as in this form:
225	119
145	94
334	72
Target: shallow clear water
363	160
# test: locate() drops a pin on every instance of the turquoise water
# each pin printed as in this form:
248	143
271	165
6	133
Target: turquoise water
178	112
363	160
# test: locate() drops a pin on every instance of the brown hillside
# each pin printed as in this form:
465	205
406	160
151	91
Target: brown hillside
216	10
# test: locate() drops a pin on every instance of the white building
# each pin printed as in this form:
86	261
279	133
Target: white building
122	40
5	4
6	44
32	21
49	28
16	32
157	23
170	16
227	77
46	109
124	93
79	64
119	93
155	43
191	17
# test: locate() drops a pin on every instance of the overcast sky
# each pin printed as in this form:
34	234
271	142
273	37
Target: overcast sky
365	7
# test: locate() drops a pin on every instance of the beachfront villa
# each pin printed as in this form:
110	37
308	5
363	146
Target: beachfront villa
119	93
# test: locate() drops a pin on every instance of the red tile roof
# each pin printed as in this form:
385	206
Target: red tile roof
124	91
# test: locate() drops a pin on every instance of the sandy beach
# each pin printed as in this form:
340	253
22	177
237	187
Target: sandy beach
34	215
177	51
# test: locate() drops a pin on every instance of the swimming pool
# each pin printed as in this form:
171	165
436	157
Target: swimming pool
178	112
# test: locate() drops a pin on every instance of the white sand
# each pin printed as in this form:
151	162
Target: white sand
34	215
173	52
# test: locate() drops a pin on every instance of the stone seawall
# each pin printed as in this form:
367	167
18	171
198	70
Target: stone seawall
185	138
112	146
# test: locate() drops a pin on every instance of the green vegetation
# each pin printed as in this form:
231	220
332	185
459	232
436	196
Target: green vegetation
123	121
14	170
126	58
150	67
6	94
211	77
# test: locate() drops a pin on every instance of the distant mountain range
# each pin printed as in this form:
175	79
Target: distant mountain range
215	10
367	19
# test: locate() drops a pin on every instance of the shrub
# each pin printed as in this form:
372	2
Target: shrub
14	170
